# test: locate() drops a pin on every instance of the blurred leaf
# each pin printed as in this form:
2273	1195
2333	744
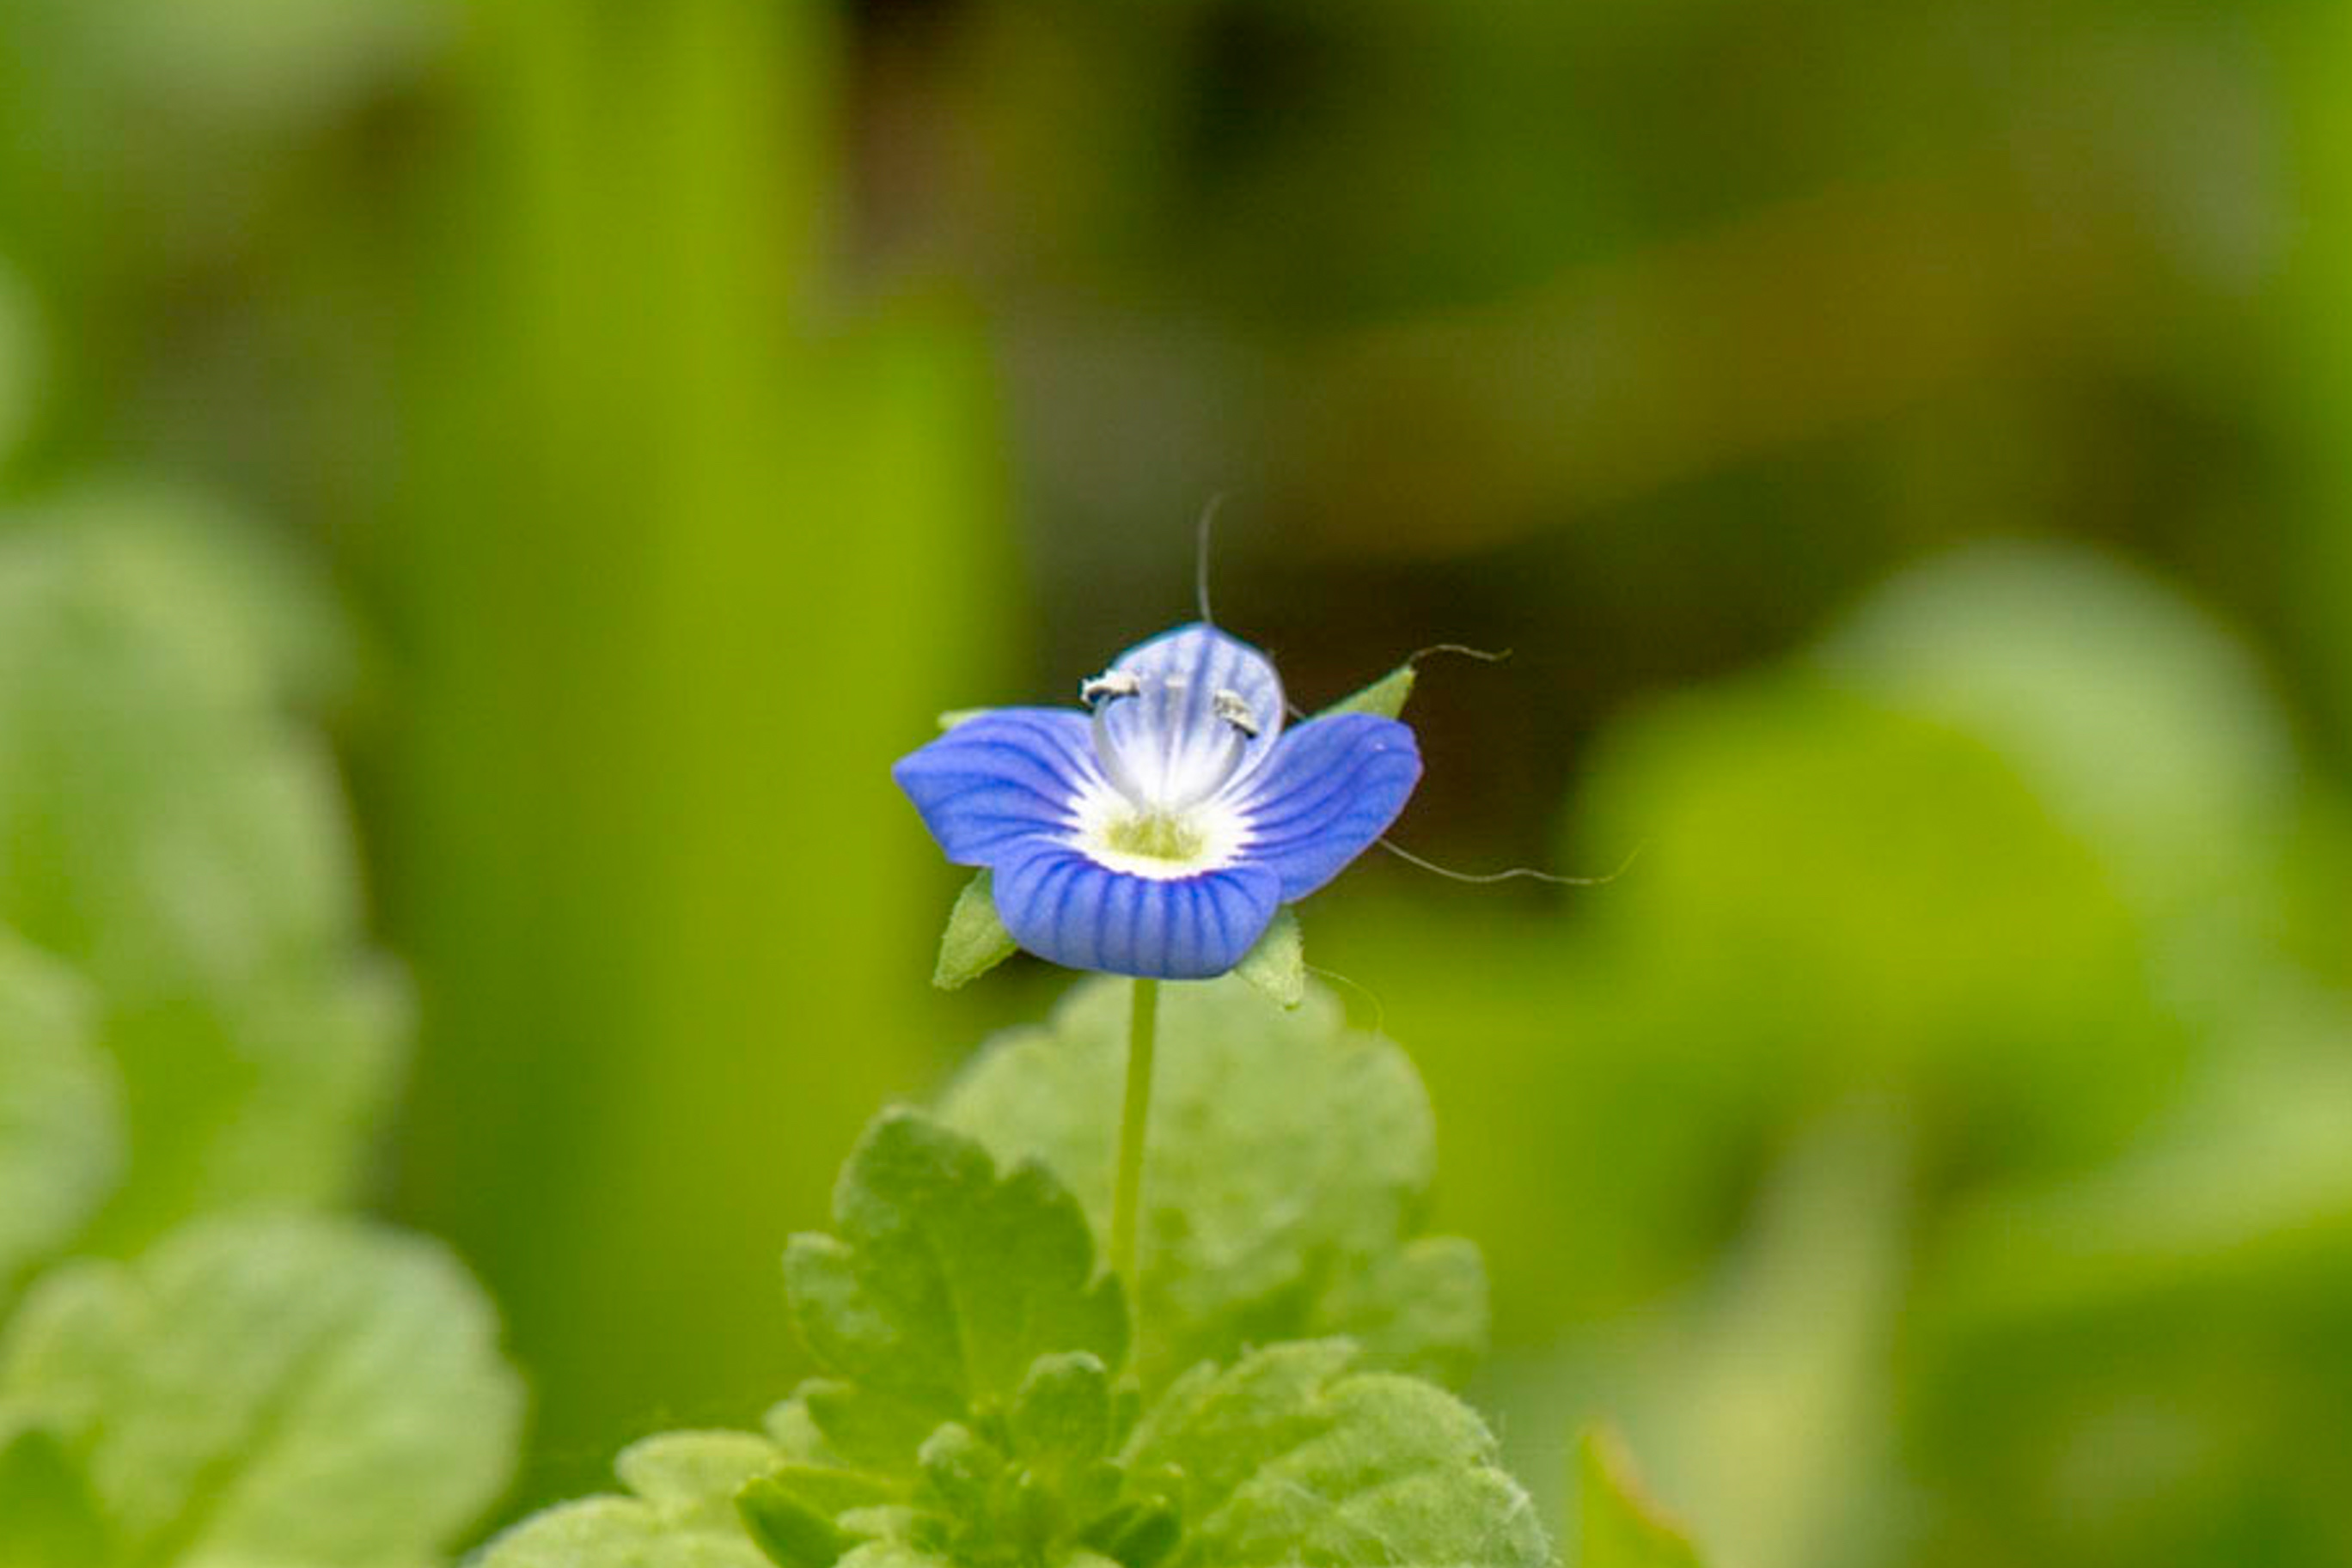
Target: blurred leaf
1277	965
247	617
2146	727
1421	1308
681	1510
2151	1343
167	832
232	65
975	940
1778	1404
618	1532
20	356
1291	1457
1618	1526
47	1518
1835	888
692	1477
946	1282
1290	1161
61	1127
2247	1184
271	1390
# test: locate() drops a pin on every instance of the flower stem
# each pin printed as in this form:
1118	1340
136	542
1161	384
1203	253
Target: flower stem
1127	1193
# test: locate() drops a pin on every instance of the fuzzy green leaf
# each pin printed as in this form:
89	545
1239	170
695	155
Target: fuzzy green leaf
975	940
1385	697
945	1282
60	1130
1277	965
283	1391
617	1533
1062	1414
682	1508
1252	1107
167	832
692	1478
1618	1527
1422	1309
1293	1456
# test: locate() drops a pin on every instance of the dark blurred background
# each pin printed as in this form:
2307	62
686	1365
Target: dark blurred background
1902	448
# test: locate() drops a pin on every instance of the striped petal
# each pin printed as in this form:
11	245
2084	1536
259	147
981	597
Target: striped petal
1006	776
1330	789
1174	741
1072	911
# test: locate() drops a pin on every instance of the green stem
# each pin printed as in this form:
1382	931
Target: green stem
1126	1194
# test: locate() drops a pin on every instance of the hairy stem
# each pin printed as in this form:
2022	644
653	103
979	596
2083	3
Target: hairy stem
1127	1193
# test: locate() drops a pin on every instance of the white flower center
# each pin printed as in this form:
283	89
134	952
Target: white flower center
1161	845
1168	757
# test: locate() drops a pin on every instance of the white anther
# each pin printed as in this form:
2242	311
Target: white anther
1112	683
1231	707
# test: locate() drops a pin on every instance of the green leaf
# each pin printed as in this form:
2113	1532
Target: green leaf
1385	697
1292	1457
946	1282
616	1533
1801	1322
791	1528
1252	1108
975	940
60	1129
682	1510
692	1478
1422	1309
1277	965
1618	1526
47	1518
166	831
1062	1414
271	1390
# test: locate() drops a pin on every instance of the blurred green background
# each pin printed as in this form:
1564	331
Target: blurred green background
1905	449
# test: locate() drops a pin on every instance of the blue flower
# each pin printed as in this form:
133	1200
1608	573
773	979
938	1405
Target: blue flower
1157	833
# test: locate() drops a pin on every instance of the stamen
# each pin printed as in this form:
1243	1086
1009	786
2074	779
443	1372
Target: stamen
1114	763
1235	711
1110	684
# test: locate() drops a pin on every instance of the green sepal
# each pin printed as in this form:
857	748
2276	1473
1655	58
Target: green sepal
1385	697
975	940
1277	965
956	715
1618	1526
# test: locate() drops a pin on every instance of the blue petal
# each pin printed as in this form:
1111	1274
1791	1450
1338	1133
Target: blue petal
1169	740
1332	787
1005	776
1063	907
